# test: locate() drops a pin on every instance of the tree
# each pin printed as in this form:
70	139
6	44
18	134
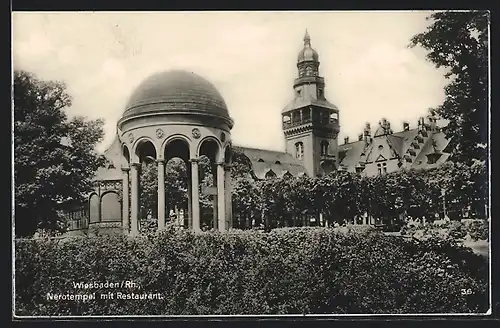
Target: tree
246	202
241	167
54	157
458	41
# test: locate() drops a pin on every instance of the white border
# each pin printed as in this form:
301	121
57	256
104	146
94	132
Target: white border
208	317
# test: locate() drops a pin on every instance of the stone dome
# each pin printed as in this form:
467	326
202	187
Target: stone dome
176	92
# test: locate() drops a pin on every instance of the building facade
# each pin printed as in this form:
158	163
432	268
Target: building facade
180	114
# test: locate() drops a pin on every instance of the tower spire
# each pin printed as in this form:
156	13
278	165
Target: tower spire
307	39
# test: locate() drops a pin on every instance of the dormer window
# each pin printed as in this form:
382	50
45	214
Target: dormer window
298	92
277	162
260	160
433	158
270	174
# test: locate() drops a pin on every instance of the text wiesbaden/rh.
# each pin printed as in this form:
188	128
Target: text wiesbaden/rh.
107	284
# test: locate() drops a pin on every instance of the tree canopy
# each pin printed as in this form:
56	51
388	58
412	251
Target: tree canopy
54	156
458	41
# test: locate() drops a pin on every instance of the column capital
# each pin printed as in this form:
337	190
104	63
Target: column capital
125	169
135	165
160	161
194	160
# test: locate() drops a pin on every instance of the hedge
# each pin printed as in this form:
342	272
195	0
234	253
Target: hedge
286	271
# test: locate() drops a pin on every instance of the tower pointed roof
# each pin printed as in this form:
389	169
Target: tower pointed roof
307	53
307	39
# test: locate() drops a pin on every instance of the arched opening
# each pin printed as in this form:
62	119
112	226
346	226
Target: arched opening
299	150
208	155
126	156
324	147
94	208
110	207
145	151
177	182
287	175
148	186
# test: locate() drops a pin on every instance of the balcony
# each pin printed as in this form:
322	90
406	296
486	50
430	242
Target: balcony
327	157
292	124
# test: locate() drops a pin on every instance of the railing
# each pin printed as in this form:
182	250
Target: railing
291	124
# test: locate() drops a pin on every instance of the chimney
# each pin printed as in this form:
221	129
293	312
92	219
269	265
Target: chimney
360	137
367	130
406	126
346	140
421	124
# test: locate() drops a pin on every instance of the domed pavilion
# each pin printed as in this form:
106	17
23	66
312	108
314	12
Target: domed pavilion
171	114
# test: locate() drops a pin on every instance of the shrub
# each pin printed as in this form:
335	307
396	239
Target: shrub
293	271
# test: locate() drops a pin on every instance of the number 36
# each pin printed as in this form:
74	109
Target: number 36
466	291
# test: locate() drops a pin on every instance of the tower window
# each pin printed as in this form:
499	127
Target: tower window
301	72
324	147
321	93
379	167
299	150
298	92
286	119
384	167
309	71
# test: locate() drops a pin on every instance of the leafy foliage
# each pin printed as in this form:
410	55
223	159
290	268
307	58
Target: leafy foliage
287	271
340	197
51	152
458	41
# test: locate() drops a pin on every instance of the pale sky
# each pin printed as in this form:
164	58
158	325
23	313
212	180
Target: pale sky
250	57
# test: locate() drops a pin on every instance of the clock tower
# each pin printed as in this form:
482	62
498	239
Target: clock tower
310	122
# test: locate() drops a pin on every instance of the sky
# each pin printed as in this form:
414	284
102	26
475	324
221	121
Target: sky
250	57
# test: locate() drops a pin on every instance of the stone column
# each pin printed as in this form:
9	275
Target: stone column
134	229
221	207
215	201
195	207
228	197
161	194
125	200
190	198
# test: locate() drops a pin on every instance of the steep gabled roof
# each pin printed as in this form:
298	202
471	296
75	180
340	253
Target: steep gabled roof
264	160
112	171
441	142
406	138
352	154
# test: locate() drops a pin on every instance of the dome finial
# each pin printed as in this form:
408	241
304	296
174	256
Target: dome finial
307	39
